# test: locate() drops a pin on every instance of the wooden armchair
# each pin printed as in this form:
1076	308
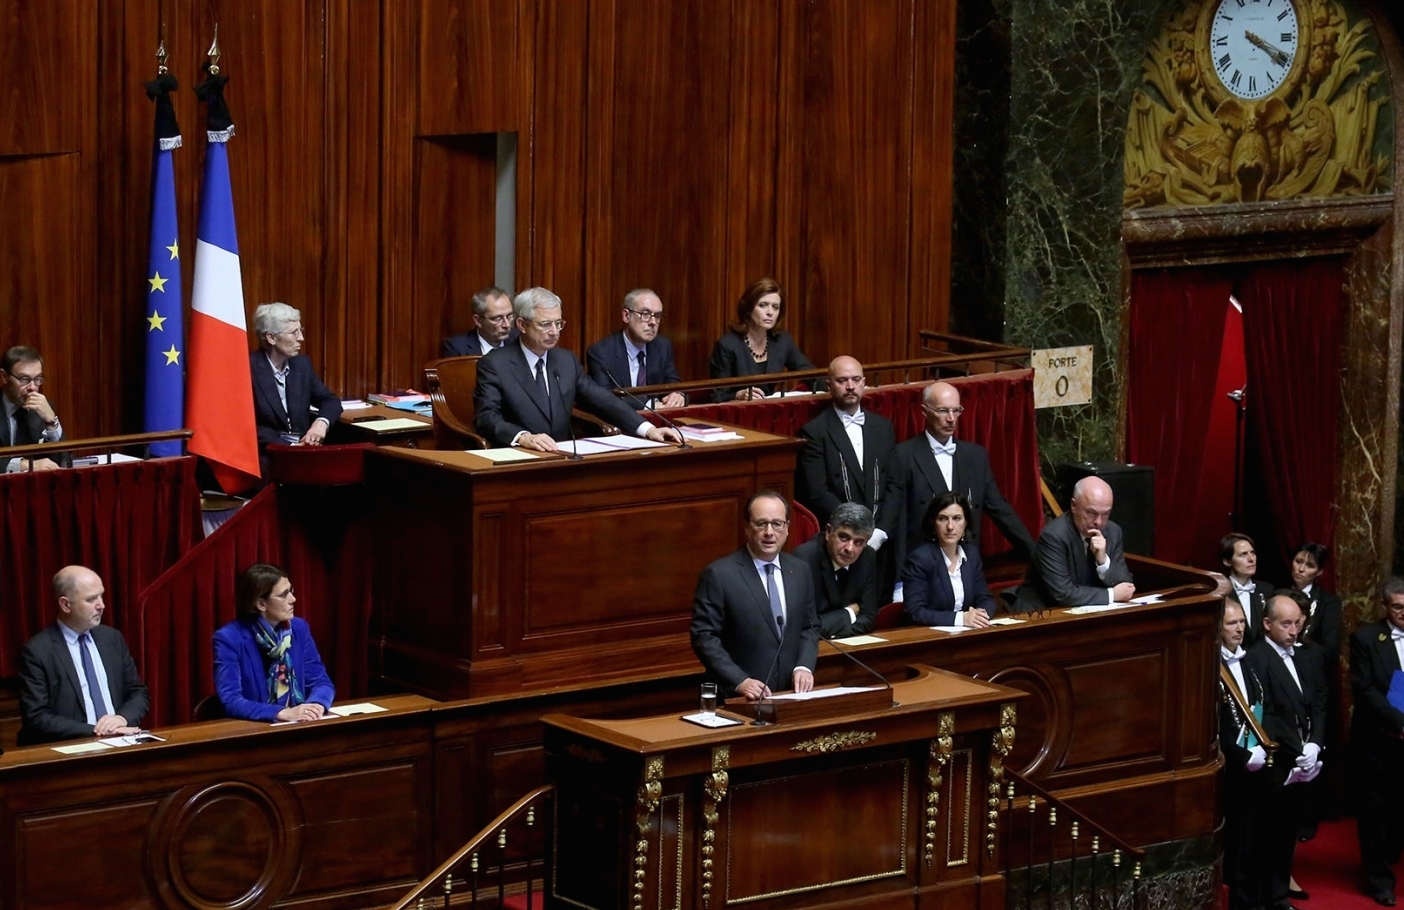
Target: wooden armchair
450	382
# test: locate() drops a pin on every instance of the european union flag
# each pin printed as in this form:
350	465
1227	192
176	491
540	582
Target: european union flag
164	317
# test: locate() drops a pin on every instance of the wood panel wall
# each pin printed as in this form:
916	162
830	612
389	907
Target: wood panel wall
690	146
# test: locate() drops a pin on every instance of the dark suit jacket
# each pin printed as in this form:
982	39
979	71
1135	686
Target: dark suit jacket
1376	724
1235	756
733	633
506	402
241	676
29	429
51	697
1292	716
1257	602
914	479
304	391
827	459
609	353
1323	625
860	587
467	344
927	596
1061	573
731	357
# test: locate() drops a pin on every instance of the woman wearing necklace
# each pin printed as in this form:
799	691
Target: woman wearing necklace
266	665
754	346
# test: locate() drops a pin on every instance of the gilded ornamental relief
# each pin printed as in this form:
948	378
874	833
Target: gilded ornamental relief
1257	100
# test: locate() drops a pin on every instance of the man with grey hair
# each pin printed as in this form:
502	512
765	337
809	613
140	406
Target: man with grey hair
492	326
845	572
526	391
1079	558
639	355
285	386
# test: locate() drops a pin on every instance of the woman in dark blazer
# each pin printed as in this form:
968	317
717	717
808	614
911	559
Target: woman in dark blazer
938	567
754	346
266	665
1323	621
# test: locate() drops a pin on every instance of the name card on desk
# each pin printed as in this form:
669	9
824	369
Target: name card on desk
363	707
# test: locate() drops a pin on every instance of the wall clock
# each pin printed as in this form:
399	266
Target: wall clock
1252	49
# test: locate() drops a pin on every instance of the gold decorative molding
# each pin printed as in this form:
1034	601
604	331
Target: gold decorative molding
1191	142
650	792
939	755
834	742
964	758
714	786
1001	743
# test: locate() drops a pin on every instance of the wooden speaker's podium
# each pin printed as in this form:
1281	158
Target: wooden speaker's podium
881	806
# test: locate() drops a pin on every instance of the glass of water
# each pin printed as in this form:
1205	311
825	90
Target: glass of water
709	698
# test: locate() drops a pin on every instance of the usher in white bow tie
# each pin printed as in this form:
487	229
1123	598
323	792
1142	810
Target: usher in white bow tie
944	448
1245	589
854	420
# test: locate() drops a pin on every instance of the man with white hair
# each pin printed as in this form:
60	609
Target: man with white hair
285	386
526	390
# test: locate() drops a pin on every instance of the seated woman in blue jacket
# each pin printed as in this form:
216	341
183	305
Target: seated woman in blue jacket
266	666
943	582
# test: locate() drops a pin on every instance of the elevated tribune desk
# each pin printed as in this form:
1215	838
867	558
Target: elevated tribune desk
879	808
531	575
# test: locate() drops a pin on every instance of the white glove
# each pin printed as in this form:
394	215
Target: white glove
878	539
1311	773
1257	759
1310	752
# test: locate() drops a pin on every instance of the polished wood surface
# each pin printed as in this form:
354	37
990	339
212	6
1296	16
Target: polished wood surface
730	815
691	146
338	813
551	571
349	429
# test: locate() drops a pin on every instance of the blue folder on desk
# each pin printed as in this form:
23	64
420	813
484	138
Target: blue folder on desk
1396	691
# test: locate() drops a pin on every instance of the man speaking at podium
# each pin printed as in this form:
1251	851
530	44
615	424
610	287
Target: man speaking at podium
753	620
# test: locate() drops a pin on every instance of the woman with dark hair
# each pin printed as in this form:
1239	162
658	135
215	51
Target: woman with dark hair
754	346
266	665
1323	620
943	582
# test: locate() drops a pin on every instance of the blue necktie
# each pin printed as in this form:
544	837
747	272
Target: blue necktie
775	611
99	706
643	370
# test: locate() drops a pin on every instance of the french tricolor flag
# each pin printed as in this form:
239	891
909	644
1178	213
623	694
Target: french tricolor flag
219	398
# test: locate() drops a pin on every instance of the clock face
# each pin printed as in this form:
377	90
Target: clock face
1253	44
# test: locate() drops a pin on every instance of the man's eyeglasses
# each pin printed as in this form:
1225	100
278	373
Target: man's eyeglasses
38	381
547	325
296	333
646	315
944	412
778	524
504	319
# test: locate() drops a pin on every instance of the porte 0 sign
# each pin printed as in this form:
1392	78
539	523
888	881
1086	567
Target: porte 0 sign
1062	376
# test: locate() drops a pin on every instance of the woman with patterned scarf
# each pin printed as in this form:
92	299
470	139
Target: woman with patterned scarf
266	665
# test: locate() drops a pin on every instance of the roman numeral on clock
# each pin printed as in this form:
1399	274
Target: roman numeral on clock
1224	61
1237	77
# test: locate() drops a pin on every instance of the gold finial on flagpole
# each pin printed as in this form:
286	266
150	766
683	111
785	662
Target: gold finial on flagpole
161	55
213	52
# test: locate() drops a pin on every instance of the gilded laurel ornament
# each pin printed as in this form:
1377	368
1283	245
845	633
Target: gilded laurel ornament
833	742
1257	100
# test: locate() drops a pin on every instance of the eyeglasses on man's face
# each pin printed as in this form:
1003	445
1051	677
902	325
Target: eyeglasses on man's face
21	380
547	325
646	315
944	412
778	524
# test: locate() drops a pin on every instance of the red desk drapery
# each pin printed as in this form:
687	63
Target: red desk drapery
127	522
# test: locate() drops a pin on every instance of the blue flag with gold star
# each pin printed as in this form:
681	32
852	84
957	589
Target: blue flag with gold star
164	322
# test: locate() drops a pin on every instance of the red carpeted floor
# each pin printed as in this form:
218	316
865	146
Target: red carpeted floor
1328	868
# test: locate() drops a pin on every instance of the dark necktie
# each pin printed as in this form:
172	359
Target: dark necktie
541	386
841	577
775	610
90	671
643	370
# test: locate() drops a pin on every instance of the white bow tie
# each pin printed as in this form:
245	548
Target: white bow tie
1396	634
1231	657
947	448
851	420
1245	589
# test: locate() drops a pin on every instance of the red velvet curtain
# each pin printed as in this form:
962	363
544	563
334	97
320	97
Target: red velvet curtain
321	536
1176	326
999	415
127	522
1293	314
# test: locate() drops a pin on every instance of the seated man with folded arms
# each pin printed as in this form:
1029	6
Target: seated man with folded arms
526	390
29	418
1079	558
844	571
77	677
